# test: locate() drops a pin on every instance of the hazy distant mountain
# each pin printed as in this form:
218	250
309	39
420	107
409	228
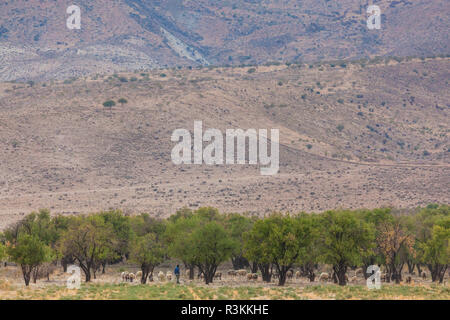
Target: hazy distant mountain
141	34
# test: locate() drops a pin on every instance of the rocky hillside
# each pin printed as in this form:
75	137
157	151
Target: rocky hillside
360	134
129	35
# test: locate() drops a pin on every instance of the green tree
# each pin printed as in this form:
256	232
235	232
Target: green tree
89	240
279	240
435	251
178	235
122	101
2	252
148	251
309	252
123	232
374	218
211	245
237	225
423	223
109	104
29	252
346	240
257	248
394	242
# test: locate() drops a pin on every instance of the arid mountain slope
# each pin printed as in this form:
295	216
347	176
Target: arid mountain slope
129	35
364	134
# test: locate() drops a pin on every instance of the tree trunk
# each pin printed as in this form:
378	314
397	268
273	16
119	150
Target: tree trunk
191	268
254	267
103	267
340	270
239	262
208	272
35	274
419	269
437	272
87	271
334	277
397	272
266	271
146	271
282	271
26	272
411	266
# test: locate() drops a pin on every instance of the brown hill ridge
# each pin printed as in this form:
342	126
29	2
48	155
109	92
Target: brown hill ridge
363	134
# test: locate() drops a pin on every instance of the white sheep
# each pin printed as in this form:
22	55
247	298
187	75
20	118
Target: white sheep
124	276
132	276
232	273
161	276
169	276
358	271
289	274
139	275
324	276
298	275
242	272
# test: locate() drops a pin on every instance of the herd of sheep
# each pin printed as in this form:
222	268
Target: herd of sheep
242	273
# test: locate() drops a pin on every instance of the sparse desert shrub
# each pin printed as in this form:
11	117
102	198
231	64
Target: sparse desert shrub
122	101
109	104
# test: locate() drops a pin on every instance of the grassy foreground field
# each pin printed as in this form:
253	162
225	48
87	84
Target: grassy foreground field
171	291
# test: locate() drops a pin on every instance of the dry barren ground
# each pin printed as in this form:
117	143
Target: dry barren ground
109	286
361	134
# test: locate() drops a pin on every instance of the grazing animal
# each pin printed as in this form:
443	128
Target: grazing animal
124	276
132	276
358	271
232	273
289	274
254	276
249	276
324	276
298	274
218	275
242	272
169	276
408	279
161	276
138	274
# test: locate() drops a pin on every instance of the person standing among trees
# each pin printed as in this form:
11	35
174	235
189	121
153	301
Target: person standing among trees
177	273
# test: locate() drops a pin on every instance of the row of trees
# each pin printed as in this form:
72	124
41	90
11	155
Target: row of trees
204	239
